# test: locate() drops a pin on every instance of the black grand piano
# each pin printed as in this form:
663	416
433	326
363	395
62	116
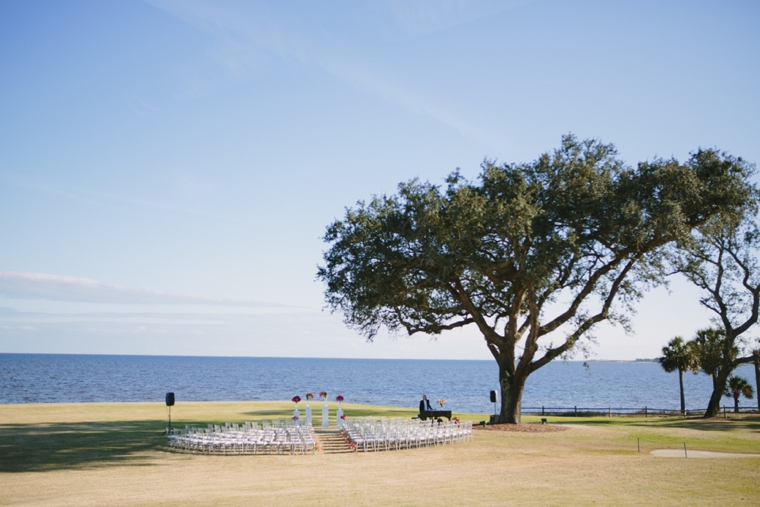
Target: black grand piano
434	414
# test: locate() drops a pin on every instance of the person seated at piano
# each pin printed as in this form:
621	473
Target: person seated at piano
425	404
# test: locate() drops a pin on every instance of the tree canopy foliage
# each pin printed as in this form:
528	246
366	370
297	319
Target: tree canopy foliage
709	346
532	254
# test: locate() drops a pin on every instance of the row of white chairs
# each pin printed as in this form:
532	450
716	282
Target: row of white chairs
271	437
373	434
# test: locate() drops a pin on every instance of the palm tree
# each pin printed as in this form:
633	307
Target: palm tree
679	355
736	387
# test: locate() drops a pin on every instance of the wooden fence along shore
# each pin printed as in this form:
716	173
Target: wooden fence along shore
623	411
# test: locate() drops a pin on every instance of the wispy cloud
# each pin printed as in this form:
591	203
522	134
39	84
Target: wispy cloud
88	290
254	29
422	17
160	316
98	198
232	335
142	107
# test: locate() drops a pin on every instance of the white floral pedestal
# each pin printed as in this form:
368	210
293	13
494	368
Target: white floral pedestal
339	416
325	416
308	414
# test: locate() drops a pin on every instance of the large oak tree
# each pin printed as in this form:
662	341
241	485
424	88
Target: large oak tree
533	254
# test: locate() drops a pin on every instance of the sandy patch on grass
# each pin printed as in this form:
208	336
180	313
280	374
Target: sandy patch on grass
679	453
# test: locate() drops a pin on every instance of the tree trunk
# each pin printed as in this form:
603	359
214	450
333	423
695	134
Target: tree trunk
736	403
512	387
719	385
683	399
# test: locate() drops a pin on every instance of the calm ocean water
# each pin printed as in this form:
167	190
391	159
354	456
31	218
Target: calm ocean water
56	378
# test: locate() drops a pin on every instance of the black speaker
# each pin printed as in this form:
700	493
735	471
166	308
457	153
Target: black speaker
494	397
169	399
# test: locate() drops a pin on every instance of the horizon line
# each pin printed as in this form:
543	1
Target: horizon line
638	359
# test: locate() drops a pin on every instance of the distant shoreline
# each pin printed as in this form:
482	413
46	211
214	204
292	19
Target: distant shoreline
637	360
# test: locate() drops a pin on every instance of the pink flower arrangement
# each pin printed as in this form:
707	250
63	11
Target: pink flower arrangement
339	398
441	402
296	399
343	417
295	417
309	396
323	394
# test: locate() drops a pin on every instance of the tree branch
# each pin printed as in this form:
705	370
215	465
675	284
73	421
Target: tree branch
588	323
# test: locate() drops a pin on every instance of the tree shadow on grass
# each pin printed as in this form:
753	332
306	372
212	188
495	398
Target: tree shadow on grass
58	446
751	423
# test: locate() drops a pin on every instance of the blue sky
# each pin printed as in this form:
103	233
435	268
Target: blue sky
167	168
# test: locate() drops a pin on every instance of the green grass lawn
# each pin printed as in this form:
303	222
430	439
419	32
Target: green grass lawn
114	453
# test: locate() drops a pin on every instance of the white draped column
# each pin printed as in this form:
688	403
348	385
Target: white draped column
325	415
